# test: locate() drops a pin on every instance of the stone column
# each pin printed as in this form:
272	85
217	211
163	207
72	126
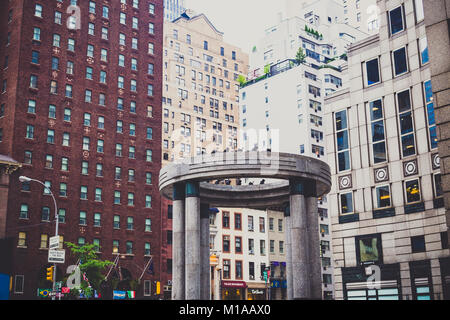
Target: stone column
178	246
287	220
299	241
192	236
205	283
314	261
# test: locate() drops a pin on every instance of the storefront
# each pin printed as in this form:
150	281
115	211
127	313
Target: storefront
233	290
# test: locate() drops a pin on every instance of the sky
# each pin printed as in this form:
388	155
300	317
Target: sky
242	21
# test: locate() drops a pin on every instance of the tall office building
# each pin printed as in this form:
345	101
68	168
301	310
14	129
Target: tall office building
286	99
200	96
386	202
173	9
80	111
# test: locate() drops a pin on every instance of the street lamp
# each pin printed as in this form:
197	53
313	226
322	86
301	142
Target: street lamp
27	179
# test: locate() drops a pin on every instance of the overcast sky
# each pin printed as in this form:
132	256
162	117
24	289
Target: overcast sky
242	21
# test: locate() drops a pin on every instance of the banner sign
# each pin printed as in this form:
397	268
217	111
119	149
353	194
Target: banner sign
44	293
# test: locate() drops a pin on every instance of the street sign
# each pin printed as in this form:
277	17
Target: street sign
54	243
56	256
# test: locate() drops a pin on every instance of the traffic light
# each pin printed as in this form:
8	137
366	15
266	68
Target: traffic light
50	273
158	287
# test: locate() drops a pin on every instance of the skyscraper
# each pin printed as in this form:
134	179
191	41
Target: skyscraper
79	110
173	9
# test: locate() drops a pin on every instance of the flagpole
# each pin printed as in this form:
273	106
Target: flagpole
151	258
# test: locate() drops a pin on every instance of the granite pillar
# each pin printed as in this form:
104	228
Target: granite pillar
178	243
192	242
289	278
299	242
205	277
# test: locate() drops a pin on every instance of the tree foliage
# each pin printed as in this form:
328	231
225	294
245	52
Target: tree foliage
301	56
90	265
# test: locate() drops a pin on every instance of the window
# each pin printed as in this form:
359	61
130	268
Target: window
22	242
84	167
147	250
418	6
346	201
412	190
238	244
105	12
37	34
104	33
66	139
99	170
63	190
400	61
115	246
148	201
378	134
71	45
64	164
148	178
148	225
151	8
430	114
225	219
423	51
130	199
148	155
82	220
130	223
83	193
97	219
205	45
116	222
406	123
151	48
132	152
150	90
31	106
129	247
372	72
237	221
50	136
262	226
262	247
418	244
151	28
69	67
23	212
382	197
342	141
62	216
102	77
396	22
33	82
35	57
38	10
30	132
226	244
226	269
52	111
98	194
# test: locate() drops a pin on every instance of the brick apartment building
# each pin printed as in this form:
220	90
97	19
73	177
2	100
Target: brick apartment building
80	110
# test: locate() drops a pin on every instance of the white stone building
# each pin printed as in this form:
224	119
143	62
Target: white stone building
287	102
239	238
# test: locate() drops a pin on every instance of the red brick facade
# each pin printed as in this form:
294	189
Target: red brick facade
18	19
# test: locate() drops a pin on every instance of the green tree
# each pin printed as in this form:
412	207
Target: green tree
301	56
242	80
90	265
